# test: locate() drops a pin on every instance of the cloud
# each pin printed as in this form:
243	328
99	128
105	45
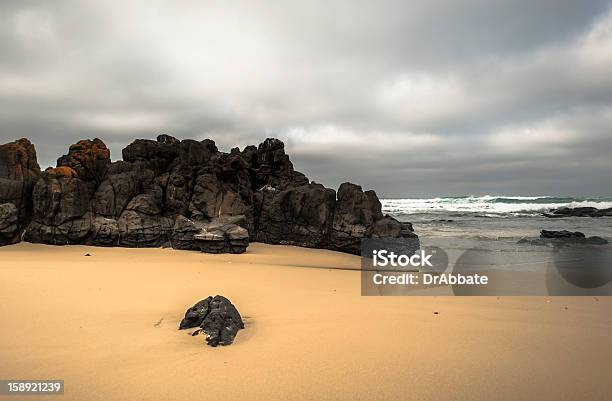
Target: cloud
411	99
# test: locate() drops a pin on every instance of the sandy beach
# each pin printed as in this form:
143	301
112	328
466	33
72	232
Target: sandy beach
107	325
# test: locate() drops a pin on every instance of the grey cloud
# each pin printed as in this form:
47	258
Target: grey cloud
409	98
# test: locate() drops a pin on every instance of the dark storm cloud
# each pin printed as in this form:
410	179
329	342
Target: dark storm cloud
410	98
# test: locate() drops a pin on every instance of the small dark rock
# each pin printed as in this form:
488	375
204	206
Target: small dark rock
578	212
564	234
534	241
563	238
595	240
217	318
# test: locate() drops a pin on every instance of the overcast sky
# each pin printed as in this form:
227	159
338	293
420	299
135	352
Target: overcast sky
413	99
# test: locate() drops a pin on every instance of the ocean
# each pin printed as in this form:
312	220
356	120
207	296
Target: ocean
482	232
495	217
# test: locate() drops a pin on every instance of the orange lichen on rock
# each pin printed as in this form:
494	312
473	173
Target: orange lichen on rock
59	172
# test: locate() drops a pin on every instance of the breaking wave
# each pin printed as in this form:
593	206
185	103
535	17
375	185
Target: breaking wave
489	204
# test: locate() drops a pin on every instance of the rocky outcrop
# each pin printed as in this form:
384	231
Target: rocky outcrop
61	206
578	212
19	172
9	232
294	216
216	317
89	159
220	236
185	194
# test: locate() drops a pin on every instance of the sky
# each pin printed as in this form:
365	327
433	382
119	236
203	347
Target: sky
412	99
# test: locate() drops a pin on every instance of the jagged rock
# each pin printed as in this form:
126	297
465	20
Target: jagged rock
178	190
59	197
579	212
145	204
104	232
272	166
212	199
9	232
155	154
89	159
295	216
139	230
355	213
123	182
164	138
390	227
220	236
19	172
69	232
218	319
194	153
187	194
183	233
61	203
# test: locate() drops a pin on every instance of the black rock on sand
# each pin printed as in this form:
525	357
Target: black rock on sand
216	317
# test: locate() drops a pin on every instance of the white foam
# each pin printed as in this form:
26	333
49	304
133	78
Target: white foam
487	204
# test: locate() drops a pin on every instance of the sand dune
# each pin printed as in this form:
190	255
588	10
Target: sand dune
107	325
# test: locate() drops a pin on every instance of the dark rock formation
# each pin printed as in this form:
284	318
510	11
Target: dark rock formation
358	215
61	205
217	318
9	232
89	160
19	172
186	194
220	236
562	238
294	216
564	234
578	212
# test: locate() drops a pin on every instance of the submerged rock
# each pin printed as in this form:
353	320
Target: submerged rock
564	234
596	240
218	319
578	212
562	238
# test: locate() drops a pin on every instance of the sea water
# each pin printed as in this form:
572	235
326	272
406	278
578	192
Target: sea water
496	224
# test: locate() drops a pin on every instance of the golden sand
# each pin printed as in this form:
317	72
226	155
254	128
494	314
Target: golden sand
107	325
